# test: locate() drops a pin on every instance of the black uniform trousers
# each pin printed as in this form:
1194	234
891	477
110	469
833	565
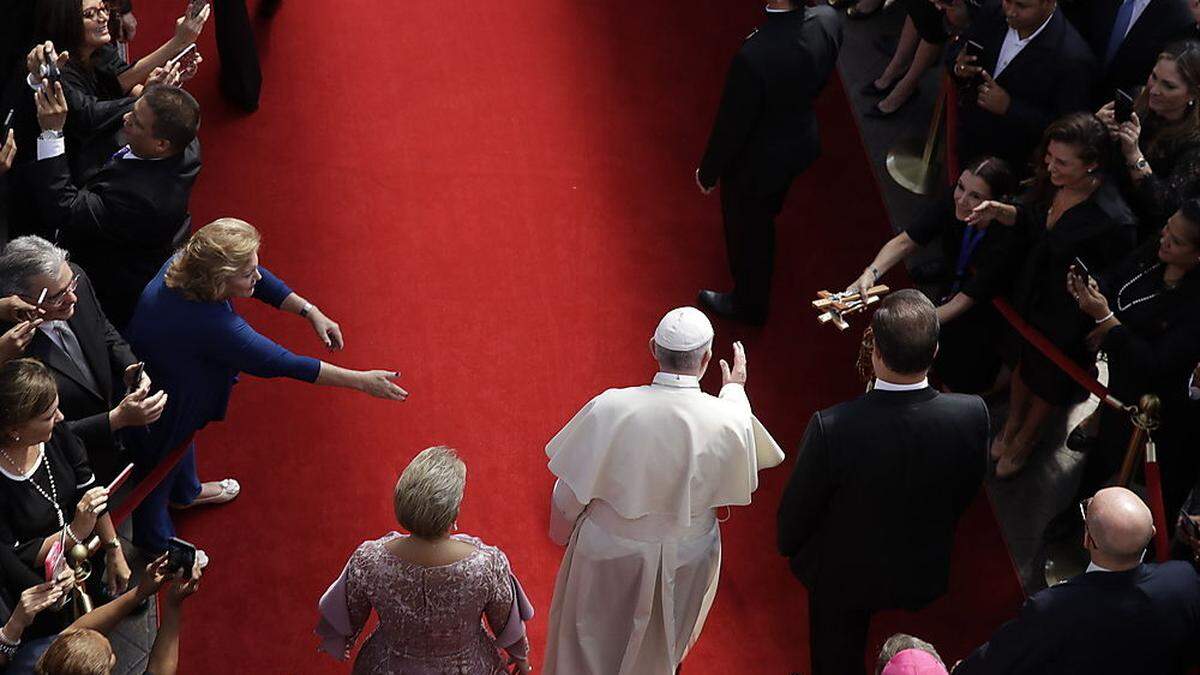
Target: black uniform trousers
749	217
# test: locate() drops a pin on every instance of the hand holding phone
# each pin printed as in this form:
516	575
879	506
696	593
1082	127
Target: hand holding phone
134	380
1122	106
1080	270
181	557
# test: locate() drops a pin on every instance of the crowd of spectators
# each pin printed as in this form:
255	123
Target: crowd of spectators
1078	124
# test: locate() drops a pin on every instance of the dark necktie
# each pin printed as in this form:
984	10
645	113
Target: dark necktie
74	352
1120	28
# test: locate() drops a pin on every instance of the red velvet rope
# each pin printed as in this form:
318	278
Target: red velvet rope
151	481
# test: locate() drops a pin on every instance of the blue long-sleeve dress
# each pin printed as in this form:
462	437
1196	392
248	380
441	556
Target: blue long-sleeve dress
194	351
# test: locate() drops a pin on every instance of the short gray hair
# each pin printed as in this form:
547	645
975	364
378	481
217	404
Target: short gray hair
430	491
898	643
27	257
687	362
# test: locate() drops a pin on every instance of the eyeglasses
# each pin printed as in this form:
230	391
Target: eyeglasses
60	298
94	13
1083	509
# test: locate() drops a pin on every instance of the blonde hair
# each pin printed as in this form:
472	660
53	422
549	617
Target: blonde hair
430	491
202	268
77	652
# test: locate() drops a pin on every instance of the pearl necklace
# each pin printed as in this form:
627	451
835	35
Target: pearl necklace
53	496
1121	307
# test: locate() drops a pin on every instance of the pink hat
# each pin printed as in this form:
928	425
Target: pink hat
914	662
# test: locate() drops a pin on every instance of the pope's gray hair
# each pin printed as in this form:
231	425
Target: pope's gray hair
430	491
27	257
898	643
681	362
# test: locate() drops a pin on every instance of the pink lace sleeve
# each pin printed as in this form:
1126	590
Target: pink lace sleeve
501	609
357	601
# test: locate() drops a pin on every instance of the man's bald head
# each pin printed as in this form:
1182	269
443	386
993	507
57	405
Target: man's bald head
1120	524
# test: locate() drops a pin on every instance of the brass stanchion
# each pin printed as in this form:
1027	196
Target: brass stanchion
1068	559
913	162
77	559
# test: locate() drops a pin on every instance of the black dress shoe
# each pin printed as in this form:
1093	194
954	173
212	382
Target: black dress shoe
720	304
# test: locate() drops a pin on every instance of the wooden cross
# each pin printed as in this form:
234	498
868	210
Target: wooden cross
838	306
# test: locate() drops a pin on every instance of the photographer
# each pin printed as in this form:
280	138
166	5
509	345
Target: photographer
83	647
1160	142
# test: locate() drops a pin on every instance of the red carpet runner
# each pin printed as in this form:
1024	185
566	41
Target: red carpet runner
497	200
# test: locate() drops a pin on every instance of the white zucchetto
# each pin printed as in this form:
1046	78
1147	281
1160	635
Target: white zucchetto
683	329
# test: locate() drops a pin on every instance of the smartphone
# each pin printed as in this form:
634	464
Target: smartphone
180	556
1080	270
180	56
6	126
1122	106
50	69
973	48
138	369
120	480
194	8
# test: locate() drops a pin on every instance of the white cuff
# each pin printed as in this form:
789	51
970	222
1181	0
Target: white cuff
50	147
34	83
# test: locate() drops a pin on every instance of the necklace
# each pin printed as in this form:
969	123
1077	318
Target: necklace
1122	306
52	497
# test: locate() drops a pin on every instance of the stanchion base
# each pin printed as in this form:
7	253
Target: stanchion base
906	165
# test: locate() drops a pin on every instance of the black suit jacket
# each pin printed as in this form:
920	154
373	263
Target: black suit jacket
1144	620
107	355
766	129
879	485
1162	22
123	223
1052	76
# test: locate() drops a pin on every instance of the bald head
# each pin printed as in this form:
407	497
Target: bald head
1120	524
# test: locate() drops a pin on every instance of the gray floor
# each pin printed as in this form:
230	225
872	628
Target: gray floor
1025	504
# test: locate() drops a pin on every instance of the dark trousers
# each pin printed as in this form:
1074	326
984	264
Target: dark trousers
152	525
837	634
240	75
749	219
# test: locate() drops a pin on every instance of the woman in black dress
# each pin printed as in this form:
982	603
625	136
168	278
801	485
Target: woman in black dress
1146	313
977	264
1074	215
919	49
47	490
1161	142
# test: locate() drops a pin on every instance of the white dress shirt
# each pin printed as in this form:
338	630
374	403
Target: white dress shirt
1013	44
884	385
1139	6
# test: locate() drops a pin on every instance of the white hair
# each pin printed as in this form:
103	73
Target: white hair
27	257
685	362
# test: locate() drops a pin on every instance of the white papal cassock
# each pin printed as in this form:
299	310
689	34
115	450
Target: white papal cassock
640	471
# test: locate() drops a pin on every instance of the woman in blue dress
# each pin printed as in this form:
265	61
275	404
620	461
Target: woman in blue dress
196	345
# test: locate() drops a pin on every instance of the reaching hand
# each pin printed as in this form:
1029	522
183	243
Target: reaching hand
1087	294
378	383
1127	135
127	377
116	572
13	309
33	600
736	375
139	408
157	573
164	75
51	106
188	27
964	65
90	506
327	329
37	58
988	210
184	587
8	153
863	284
16	339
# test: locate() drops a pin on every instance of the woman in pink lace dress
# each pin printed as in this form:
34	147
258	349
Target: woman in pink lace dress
433	591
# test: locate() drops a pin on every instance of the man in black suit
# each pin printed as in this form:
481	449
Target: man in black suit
764	136
1120	616
127	218
91	363
1034	68
868	516
1126	37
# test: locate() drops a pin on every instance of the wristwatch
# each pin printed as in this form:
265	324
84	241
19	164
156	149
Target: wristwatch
1140	165
50	134
305	309
112	544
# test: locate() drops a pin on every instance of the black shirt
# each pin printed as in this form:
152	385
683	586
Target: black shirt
988	267
26	516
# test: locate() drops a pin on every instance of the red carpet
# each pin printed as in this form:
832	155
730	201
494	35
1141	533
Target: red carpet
497	200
